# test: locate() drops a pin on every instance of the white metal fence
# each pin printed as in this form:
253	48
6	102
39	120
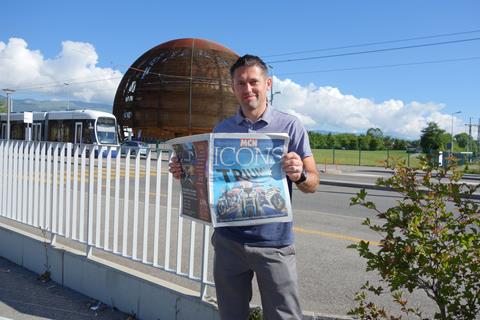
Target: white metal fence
116	204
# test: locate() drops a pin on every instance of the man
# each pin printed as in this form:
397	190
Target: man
266	249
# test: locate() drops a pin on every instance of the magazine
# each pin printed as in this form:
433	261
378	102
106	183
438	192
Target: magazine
193	154
233	179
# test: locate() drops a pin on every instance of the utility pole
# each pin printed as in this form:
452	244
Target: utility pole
271	87
478	134
9	108
68	95
470	125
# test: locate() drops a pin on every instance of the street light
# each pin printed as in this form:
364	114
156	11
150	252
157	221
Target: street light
68	95
9	103
451	146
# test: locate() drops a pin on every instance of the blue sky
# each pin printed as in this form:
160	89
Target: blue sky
73	42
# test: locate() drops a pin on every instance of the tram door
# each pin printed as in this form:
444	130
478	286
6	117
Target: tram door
4	131
78	132
27	133
37	132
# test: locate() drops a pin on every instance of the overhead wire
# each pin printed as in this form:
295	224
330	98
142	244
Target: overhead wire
62	84
373	43
375	50
381	66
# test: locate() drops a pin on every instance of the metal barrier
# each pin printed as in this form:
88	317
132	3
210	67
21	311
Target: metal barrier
72	191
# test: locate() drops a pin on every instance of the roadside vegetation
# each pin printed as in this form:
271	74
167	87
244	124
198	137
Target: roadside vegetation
430	242
374	148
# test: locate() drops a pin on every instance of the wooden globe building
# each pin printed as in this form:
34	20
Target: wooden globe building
178	88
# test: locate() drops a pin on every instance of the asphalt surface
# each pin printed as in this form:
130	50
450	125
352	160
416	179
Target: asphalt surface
23	296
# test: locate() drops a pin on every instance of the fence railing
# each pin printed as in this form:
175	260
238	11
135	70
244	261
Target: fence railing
116	204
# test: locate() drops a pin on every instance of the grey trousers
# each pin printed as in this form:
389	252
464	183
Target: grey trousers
233	268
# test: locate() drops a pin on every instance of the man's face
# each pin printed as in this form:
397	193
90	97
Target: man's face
250	86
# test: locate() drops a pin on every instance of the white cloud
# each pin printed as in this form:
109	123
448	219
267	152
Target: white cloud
29	71
327	108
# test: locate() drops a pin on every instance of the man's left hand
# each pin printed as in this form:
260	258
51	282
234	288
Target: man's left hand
293	165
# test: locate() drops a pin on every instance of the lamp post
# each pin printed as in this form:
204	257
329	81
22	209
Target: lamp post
68	95
451	146
9	103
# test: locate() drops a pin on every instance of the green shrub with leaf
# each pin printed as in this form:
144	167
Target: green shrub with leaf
430	241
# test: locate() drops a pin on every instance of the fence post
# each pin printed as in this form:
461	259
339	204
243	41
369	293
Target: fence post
408	159
204	275
333	151
359	156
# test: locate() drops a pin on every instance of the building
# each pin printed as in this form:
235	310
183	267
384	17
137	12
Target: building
178	88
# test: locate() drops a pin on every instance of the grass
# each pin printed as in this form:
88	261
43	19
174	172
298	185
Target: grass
364	158
471	168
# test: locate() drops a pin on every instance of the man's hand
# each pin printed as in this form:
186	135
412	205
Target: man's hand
175	167
293	165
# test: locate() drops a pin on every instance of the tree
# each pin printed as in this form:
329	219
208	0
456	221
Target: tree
317	140
364	141
376	143
375	132
331	141
376	139
3	106
430	241
433	138
399	144
462	139
373	140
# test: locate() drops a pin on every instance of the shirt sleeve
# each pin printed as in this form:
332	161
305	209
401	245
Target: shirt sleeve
299	141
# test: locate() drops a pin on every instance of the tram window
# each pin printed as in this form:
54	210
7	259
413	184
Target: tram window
106	132
88	135
17	131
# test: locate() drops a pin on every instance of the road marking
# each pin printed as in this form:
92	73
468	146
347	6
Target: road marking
337	215
334	235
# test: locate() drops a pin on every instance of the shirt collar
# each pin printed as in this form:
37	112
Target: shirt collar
266	116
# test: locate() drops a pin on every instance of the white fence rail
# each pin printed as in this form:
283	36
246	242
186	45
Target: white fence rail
64	189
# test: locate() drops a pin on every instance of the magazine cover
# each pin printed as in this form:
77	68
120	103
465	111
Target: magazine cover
247	184
193	154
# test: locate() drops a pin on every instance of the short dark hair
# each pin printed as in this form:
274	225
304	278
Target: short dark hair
249	61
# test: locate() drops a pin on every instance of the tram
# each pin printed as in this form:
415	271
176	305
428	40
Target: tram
75	126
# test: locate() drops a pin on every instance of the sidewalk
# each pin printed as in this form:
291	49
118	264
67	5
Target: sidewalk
23	296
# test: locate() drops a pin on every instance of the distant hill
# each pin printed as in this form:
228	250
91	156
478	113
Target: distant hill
325	131
21	105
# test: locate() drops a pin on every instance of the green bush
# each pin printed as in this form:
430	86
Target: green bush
425	244
255	314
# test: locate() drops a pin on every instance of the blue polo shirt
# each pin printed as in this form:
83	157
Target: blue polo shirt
272	121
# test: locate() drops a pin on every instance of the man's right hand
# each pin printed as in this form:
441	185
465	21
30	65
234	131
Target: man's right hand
175	167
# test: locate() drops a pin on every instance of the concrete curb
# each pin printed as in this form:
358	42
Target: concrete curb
371	186
321	316
353	184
